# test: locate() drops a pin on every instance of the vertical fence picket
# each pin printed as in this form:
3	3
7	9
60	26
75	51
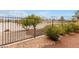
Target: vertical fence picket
12	31
2	30
5	30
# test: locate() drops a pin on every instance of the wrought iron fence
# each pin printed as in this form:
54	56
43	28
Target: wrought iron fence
11	29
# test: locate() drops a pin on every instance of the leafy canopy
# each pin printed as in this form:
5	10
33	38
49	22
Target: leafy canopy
31	20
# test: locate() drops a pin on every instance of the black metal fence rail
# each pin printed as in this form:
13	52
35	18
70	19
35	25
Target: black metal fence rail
11	29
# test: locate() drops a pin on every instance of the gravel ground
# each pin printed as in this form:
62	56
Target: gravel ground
67	41
8	37
38	42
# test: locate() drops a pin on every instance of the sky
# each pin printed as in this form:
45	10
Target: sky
43	13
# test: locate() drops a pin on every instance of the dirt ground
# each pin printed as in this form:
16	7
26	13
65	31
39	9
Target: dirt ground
67	41
38	42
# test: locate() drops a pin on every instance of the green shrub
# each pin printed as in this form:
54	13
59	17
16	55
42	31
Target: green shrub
46	28
76	28
52	34
71	28
61	30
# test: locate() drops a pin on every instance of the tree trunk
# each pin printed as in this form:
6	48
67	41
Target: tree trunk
34	32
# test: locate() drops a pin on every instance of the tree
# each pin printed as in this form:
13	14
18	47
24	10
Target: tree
62	20
25	22
31	20
73	20
77	15
77	12
34	20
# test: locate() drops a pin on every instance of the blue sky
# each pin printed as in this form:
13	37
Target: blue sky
44	13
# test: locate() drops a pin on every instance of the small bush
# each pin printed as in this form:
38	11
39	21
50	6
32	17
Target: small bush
71	28
46	28
76	28
52	34
68	28
61	30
